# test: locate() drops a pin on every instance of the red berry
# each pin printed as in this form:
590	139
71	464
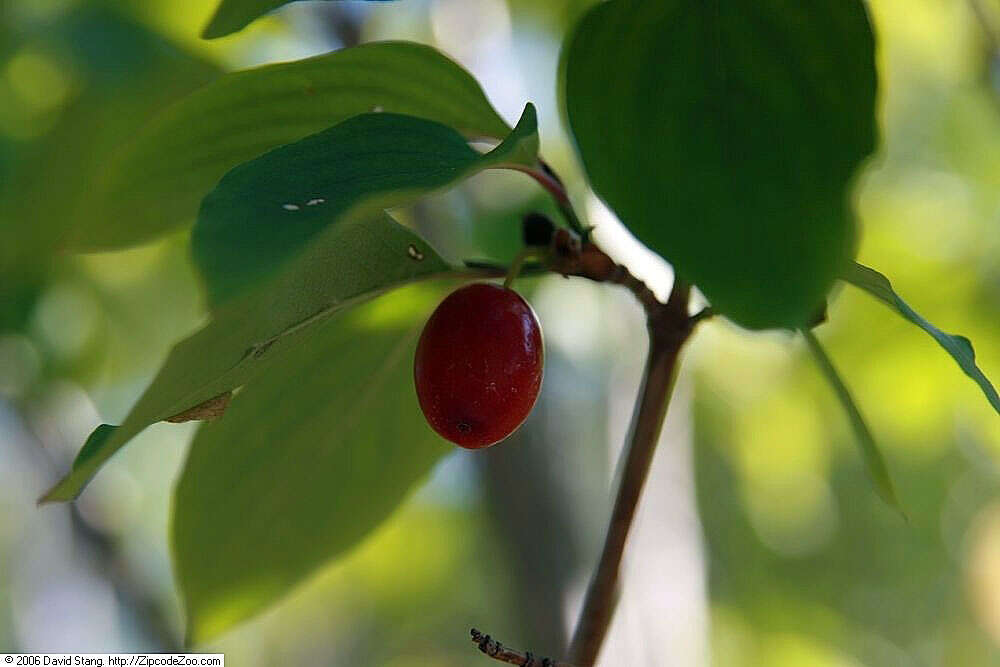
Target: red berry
478	367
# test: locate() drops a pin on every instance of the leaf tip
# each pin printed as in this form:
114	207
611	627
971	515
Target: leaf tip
57	493
528	122
46	498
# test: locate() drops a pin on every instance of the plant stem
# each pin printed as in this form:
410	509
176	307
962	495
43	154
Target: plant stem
669	327
518	264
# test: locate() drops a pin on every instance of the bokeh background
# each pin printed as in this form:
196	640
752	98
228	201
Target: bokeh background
760	541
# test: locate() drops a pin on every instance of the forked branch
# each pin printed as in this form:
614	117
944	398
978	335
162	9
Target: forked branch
669	326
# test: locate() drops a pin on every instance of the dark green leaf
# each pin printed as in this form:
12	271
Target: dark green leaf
263	211
306	462
348	263
958	347
158	179
234	15
874	462
725	135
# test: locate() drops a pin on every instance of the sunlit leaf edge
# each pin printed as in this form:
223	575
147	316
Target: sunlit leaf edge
959	347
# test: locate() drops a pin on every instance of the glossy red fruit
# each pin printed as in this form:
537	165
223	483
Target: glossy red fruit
479	363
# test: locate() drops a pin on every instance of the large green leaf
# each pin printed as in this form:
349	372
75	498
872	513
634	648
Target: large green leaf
234	15
306	462
161	175
346	264
724	134
874	462
263	211
959	347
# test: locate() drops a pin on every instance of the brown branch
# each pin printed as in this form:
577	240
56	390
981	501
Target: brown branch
570	257
501	653
669	326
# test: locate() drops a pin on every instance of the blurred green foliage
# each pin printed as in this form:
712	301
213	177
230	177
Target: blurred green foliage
806	566
79	84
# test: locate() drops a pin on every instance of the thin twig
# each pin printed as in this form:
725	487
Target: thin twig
517	266
501	653
669	326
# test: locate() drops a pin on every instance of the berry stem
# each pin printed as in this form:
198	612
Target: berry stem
515	267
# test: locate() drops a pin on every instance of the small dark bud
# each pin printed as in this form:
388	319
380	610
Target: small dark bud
537	230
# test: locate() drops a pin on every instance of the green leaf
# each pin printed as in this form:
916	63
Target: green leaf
725	135
263	211
160	175
345	265
874	462
306	462
234	15
959	347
